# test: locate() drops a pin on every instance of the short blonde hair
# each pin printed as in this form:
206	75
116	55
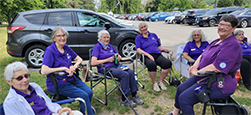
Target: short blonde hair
203	37
101	32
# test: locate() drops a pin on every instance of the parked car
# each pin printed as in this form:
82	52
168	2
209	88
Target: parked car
140	15
124	22
244	17
132	17
171	19
148	17
192	15
180	18
29	33
160	17
212	17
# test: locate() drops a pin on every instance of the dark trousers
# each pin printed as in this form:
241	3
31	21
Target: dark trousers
185	97
246	69
127	79
158	60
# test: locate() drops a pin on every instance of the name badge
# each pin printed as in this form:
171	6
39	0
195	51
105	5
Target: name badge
32	103
193	49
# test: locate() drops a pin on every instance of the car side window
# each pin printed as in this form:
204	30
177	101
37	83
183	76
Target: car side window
248	13
223	11
90	20
35	18
60	18
231	10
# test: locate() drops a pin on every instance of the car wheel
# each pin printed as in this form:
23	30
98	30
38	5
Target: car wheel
173	22
34	55
156	20
184	21
190	23
201	25
212	23
127	49
244	23
149	19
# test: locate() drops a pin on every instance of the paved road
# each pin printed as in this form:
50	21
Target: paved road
173	35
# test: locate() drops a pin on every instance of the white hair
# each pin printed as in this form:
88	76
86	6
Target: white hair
12	68
101	32
141	23
203	37
236	32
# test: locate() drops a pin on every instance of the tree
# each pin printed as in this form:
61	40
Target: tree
184	4
238	2
225	3
9	8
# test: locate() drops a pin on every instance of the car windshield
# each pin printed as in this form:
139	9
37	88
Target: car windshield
185	12
112	18
213	12
237	12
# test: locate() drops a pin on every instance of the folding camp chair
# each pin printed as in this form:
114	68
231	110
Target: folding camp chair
61	99
223	106
180	63
142	70
106	75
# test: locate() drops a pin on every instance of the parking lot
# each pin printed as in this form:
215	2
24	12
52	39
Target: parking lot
173	35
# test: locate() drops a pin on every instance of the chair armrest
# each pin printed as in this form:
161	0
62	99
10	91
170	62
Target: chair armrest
99	65
205	73
165	51
191	62
126	60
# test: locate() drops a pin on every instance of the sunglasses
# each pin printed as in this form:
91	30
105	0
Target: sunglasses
19	78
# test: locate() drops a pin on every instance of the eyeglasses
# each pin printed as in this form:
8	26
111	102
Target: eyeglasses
196	35
59	36
224	25
19	78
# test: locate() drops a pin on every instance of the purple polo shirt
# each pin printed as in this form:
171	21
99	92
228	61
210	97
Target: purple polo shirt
37	103
53	59
245	48
193	50
226	57
149	44
101	53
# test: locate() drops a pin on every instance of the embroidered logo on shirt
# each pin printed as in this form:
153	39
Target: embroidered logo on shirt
223	65
111	50
68	56
203	50
153	38
193	49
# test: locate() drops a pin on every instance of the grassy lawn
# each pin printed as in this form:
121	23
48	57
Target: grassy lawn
156	103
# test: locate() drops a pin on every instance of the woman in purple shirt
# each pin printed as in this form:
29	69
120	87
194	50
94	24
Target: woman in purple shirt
58	57
216	58
103	53
25	98
148	44
195	46
246	58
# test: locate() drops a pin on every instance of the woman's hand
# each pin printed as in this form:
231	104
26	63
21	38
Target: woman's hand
73	68
68	71
61	110
110	59
151	57
193	70
119	58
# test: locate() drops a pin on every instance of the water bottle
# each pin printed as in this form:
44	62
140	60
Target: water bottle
116	62
136	77
198	89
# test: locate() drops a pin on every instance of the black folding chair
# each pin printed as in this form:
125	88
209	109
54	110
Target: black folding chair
103	80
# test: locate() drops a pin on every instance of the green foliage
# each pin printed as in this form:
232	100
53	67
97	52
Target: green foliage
225	3
238	2
247	6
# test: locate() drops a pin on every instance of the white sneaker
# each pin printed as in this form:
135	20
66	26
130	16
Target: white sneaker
162	86
156	87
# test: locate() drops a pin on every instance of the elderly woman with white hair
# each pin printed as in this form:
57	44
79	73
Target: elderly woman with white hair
26	98
103	53
195	46
58	57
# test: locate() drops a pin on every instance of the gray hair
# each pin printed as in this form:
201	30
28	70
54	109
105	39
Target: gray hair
56	29
230	18
12	68
203	37
236	32
101	32
141	23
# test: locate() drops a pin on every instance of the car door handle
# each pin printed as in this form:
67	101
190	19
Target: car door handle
49	30
85	31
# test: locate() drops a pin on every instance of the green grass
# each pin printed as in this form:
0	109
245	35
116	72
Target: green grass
242	95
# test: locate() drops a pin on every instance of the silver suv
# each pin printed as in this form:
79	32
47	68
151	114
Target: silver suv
29	33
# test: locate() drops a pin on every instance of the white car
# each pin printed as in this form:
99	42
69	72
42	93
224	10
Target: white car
171	19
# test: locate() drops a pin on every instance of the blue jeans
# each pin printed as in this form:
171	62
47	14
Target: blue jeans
77	89
127	79
185	97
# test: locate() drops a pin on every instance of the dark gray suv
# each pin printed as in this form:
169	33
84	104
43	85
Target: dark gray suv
29	33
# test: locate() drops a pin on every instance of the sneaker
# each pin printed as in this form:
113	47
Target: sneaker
127	104
156	87
162	86
137	100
